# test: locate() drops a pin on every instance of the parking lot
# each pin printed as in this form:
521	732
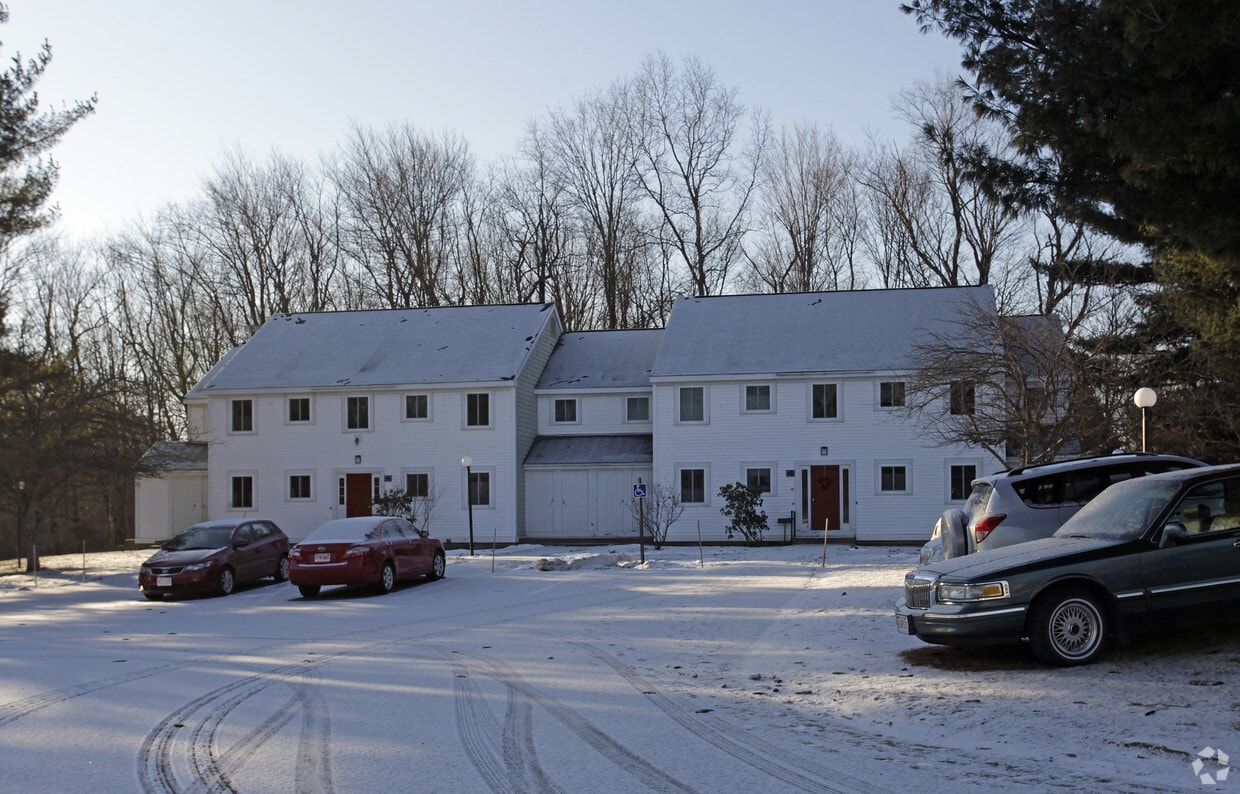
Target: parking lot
577	669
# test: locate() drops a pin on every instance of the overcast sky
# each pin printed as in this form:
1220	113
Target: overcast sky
180	82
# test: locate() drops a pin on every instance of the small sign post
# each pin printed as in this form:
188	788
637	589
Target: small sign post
639	493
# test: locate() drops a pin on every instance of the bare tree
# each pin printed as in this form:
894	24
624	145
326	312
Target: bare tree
934	225
1014	386
810	222
592	153
401	192
657	512
695	165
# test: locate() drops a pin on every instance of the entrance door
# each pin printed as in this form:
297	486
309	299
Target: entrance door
824	497
357	499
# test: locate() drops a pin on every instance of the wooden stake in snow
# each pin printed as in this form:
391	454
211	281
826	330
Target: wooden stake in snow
701	558
826	526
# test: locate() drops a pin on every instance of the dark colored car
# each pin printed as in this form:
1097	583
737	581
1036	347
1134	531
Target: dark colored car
1147	552
1031	502
213	557
374	550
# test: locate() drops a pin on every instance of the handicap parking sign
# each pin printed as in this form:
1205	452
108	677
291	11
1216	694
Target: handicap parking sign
639	490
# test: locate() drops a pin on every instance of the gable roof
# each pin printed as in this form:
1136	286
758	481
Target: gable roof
858	331
453	344
602	359
633	449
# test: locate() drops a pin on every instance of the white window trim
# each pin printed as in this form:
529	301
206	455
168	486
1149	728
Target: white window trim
760	464
576	411
370	413
878	395
314	413
430	407
465	425
624	409
229	476
314	490
706	482
839	401
906	464
745	409
705	420
490	472
253	417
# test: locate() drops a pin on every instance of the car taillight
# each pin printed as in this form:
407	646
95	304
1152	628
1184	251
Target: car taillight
356	551
987	525
294	553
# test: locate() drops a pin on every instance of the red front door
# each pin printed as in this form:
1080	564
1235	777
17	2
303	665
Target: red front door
357	495
824	496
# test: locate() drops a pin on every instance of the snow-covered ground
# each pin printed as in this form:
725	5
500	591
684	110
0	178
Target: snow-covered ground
578	669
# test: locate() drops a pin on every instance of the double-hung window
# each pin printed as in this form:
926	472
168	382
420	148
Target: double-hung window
692	486
417	406
566	411
478	410
242	416
357	413
692	404
824	401
891	394
758	398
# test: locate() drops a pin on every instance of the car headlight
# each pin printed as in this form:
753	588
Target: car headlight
200	566
947	593
145	569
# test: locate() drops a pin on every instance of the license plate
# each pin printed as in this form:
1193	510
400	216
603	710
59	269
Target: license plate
323	557
163	581
902	624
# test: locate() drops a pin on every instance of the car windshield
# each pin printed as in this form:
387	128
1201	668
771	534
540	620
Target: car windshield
1122	512
200	538
344	531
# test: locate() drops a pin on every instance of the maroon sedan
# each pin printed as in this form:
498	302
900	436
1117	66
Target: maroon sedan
375	550
213	557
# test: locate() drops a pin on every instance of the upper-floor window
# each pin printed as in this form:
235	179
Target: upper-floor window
963	400
242	416
298	409
825	401
692	404
478	410
357	413
758	398
637	409
891	394
417	406
566	411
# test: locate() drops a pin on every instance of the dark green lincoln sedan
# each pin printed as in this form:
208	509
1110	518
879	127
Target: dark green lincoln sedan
1147	552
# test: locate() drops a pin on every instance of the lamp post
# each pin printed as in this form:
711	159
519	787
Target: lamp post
1145	398
467	462
21	517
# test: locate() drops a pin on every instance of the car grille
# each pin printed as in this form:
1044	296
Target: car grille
917	591
166	571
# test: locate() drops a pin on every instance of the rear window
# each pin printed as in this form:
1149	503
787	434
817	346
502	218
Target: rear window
343	531
1038	491
979	498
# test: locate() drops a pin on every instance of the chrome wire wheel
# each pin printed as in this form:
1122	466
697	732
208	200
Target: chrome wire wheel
1069	630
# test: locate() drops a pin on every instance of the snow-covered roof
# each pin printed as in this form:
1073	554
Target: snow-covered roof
595	450
166	456
456	344
602	359
860	331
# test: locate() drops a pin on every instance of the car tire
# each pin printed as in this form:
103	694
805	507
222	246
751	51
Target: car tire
1068	627
281	574
954	528
154	596
387	578
308	590
227	582
438	566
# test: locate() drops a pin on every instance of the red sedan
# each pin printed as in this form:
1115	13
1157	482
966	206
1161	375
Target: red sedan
375	550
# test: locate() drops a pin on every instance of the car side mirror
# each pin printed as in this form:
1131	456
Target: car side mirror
1172	535
241	544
